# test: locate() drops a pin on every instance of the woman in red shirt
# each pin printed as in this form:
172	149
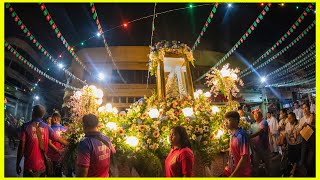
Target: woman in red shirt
180	160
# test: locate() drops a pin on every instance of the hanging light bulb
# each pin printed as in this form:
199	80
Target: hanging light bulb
207	94
215	109
98	93
220	133
154	113
99	101
187	112
115	110
108	107
132	141
111	126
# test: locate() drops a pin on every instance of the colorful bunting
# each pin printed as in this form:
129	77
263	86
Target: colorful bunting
58	33
39	46
95	17
281	39
208	21
280	52
31	66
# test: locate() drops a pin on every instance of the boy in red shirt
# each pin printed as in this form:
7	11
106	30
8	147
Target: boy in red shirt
55	148
239	147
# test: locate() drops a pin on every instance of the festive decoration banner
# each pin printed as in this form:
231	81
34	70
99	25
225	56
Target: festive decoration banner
285	49
294	60
28	33
31	66
95	17
54	27
292	74
242	39
312	78
297	66
281	39
298	78
204	29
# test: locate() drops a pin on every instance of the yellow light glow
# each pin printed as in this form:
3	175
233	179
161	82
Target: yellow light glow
93	87
215	109
115	110
99	101
78	93
111	126
220	133
187	112
234	76
132	141
225	72
154	113
109	107
207	94
98	93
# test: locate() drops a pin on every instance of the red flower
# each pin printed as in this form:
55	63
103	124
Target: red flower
121	132
211	136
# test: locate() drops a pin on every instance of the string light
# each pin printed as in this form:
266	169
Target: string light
190	6
297	7
229	5
82	43
125	24
145	17
282	4
262	4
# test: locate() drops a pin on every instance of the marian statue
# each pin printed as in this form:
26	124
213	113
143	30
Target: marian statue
175	84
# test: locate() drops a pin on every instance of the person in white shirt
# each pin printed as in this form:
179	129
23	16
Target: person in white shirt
307	147
298	111
313	106
274	133
282	125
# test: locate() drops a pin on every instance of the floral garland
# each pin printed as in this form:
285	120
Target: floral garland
158	52
136	135
224	81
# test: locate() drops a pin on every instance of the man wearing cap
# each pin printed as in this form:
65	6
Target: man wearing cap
260	142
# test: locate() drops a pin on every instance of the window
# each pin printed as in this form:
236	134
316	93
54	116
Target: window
132	77
115	99
123	99
130	99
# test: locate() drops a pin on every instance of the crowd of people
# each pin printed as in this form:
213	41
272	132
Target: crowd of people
284	136
42	146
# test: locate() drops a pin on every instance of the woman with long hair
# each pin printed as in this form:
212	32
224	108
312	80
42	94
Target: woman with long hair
180	160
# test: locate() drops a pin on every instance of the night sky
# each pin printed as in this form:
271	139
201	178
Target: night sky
75	22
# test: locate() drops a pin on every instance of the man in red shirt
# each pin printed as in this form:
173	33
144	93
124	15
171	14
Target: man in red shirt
239	147
55	148
29	147
93	156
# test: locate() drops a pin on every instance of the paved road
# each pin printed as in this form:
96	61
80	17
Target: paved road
10	161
